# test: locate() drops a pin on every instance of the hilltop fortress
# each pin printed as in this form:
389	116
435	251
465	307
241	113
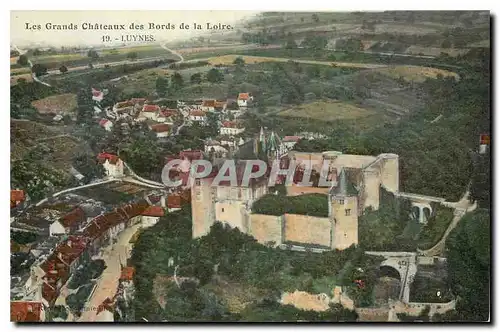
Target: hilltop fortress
356	186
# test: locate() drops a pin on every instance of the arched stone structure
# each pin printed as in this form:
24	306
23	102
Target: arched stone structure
405	264
424	210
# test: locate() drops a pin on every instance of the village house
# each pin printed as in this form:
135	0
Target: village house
231	128
208	105
26	311
215	146
290	141
244	99
17	197
176	200
123	106
150	111
220	106
104	229
167	116
59	266
106	124
228	141
97	95
112	164
161	130
69	223
151	215
198	116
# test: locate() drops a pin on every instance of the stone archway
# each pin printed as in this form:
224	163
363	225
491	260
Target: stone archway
389	283
421	211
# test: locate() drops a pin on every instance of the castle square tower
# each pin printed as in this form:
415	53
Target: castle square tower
343	212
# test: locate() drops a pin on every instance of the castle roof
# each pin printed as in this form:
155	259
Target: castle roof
344	186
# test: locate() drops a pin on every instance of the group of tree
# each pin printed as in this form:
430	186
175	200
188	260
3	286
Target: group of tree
469	270
227	253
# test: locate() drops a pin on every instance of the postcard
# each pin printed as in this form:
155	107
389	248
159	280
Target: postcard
245	166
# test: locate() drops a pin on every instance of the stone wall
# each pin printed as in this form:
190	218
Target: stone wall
266	228
416	308
232	213
202	208
307	229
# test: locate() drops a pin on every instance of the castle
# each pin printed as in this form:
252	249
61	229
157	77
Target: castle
356	186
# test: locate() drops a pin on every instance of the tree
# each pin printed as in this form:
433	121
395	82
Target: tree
63	69
239	61
23	60
93	54
215	76
162	86
86	164
132	55
91	66
290	43
39	69
315	18
468	260
177	81
196	78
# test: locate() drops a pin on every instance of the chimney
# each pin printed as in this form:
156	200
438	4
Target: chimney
30	308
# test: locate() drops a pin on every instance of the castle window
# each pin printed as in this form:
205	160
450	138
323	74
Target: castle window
341	201
345	235
198	182
347	212
222	209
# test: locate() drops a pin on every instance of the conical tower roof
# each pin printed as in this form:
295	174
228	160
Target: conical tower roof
344	186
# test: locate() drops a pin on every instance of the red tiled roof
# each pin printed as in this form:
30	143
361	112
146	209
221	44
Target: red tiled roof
102	157
154	211
102	223
103	122
96	93
174	201
231	124
209	103
22	311
151	108
72	218
161	128
197	113
169	112
220	104
244	96
291	139
127	273
16	196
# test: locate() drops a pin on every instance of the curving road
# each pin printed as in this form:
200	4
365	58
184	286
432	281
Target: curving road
35	78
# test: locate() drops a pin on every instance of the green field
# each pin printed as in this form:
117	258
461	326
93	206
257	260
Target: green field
54	61
327	110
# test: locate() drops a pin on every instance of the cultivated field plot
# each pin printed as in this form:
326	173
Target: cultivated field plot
54	61
229	59
14	78
64	103
435	51
327	110
415	73
482	43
